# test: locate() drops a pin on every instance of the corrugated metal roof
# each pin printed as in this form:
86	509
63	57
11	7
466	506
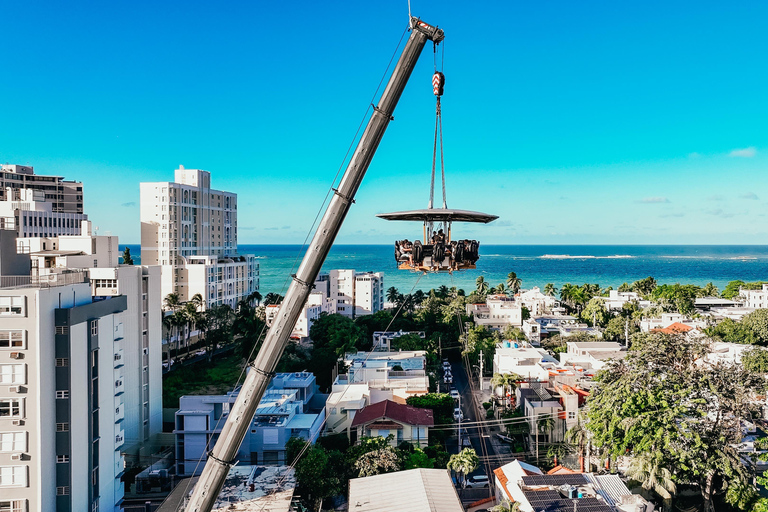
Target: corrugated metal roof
415	490
610	487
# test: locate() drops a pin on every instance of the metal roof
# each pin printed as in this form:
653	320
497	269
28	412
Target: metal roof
415	490
440	214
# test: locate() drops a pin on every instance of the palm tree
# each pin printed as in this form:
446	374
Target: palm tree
463	463
392	294
579	436
567	292
443	291
545	424
253	296
482	286
198	301
504	381
179	319
710	290
647	469
172	302
272	298
501	289
514	282
549	289
168	326
191	316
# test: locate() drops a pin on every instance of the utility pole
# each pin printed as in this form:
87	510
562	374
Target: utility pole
626	333
460	421
224	453
480	377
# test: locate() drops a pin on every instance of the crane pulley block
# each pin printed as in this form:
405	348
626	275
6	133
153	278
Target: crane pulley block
438	83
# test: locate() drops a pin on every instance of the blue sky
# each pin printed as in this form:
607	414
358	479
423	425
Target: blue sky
575	122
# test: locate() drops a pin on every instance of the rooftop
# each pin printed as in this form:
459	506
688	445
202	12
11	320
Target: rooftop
415	490
395	411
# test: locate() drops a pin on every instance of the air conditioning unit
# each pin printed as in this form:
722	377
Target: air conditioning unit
14	389
18	422
16	355
17	456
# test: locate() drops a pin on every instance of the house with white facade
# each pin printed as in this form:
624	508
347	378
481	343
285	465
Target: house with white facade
350	293
757	299
382	340
537	302
498	312
403	422
616	300
591	355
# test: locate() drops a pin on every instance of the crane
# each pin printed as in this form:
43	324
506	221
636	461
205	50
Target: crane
222	457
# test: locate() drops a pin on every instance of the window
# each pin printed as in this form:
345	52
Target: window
13	506
11	305
62	491
62	394
12	374
62	362
13	476
62	329
10	407
94	327
62	427
13	442
62	458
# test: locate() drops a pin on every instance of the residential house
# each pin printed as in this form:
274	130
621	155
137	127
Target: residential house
498	312
591	355
403	422
536	302
382	340
616	300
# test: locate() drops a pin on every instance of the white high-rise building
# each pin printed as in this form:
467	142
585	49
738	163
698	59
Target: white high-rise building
351	293
191	231
64	196
80	373
29	214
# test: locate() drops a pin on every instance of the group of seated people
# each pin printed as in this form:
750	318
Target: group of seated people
456	252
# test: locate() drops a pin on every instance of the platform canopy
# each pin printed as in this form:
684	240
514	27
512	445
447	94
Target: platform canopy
439	214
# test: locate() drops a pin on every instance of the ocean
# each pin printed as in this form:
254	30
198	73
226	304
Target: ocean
536	265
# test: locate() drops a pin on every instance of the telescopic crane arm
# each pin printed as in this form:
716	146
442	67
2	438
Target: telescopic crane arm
222	457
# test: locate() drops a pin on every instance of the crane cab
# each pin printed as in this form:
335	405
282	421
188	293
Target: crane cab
437	250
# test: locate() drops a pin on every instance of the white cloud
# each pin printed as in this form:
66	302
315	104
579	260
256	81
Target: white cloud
744	152
653	200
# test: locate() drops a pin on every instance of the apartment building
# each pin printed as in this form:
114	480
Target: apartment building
289	408
755	298
31	215
191	231
351	293
498	312
62	392
64	196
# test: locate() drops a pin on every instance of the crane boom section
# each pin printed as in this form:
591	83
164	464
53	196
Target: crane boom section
262	368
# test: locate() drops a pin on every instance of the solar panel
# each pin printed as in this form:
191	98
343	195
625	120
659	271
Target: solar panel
555	480
566	505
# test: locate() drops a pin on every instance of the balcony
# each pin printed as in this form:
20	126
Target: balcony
119	412
119	464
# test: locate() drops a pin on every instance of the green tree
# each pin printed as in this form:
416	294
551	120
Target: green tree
755	360
661	399
418	459
681	296
757	323
595	313
648	470
617	328
514	282
644	286
550	290
441	404
127	259
482	285
392	294
408	342
272	298
383	460
731	331
316	477
506	381
249	329
463	463
710	290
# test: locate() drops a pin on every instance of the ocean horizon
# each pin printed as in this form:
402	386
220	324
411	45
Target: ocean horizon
536	265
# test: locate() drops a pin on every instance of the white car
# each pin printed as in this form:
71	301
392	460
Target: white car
455	394
457	414
477	481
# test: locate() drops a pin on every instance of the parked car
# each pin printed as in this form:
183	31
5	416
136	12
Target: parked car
457	414
504	439
448	379
477	481
465	442
455	394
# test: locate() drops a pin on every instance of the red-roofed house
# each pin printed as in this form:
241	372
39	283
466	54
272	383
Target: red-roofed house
404	422
675	328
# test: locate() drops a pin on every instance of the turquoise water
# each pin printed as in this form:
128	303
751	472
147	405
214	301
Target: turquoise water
536	265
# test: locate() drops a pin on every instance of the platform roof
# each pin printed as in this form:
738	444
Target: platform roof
440	214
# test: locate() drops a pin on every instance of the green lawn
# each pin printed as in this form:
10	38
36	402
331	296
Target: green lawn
201	379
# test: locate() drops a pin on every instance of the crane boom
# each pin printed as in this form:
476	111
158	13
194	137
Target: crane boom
221	458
